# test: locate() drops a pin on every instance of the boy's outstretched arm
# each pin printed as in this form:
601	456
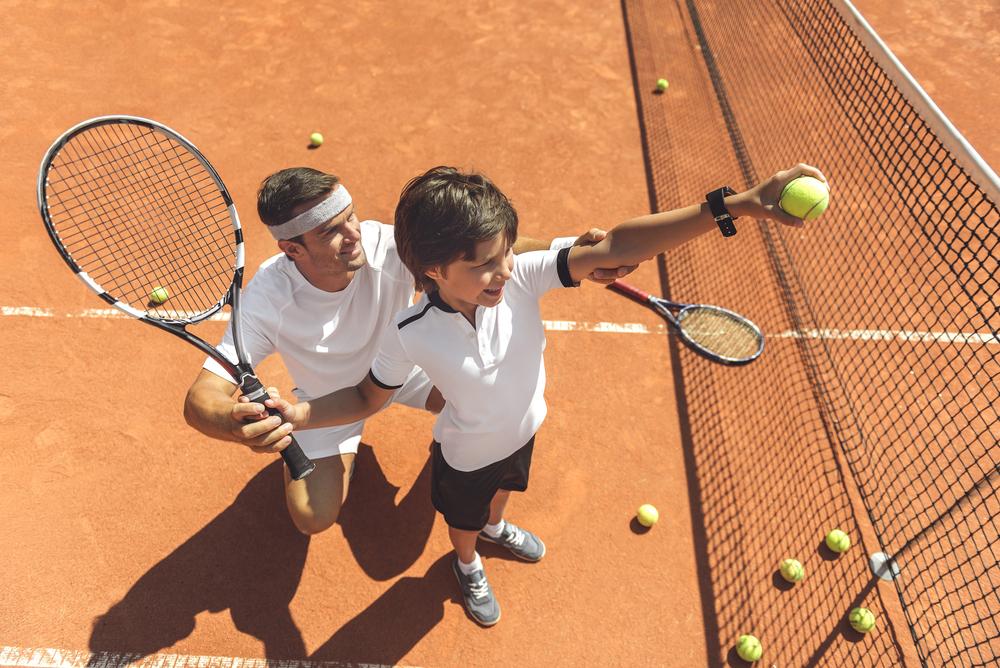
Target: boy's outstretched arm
643	238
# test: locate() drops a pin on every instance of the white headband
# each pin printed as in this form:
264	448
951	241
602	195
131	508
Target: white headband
338	200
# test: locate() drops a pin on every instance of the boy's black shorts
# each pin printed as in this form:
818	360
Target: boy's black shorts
464	497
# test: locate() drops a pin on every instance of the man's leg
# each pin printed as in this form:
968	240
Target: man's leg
315	501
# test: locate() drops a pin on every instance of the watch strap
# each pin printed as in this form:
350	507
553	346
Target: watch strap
717	206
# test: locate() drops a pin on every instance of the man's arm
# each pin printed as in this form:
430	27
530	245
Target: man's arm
527	244
594	235
211	408
642	238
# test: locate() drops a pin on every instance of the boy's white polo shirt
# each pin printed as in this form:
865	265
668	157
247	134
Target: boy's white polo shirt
492	375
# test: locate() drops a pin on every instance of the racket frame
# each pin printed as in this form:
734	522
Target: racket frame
665	308
242	372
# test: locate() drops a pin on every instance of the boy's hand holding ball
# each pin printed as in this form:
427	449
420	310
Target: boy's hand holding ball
792	195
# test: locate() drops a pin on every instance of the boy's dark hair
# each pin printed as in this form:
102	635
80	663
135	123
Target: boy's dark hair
441	216
283	191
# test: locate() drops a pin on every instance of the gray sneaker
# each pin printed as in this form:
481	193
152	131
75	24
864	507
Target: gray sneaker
479	600
523	544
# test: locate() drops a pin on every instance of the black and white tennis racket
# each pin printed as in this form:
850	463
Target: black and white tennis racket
144	220
714	332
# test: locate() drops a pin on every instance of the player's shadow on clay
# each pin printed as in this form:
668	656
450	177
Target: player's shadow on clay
389	628
386	538
249	560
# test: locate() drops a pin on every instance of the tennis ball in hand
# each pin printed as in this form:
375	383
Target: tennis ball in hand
159	295
749	649
791	570
647	515
805	198
316	139
661	85
838	541
862	620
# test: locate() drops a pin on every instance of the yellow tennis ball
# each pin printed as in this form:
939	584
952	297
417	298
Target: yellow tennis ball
862	620
661	84
647	515
749	648
838	541
159	295
805	198
316	139
791	570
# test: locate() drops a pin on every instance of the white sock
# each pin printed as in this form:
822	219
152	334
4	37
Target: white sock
494	530
476	565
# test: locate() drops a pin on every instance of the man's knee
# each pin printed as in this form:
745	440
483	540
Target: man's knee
314	502
312	521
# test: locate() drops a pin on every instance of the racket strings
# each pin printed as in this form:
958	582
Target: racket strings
136	210
720	332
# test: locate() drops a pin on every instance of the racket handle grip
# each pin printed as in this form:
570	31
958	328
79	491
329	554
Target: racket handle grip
299	465
629	291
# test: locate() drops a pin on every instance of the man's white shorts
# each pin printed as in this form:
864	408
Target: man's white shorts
329	441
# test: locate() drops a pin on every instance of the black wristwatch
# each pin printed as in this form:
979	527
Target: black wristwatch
719	211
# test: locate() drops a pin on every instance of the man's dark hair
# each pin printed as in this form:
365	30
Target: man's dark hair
441	216
282	191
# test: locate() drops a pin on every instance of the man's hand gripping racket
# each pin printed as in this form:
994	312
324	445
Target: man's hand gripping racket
144	220
712	331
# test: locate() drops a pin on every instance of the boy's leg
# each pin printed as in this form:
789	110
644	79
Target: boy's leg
464	500
314	502
464	543
499	505
522	543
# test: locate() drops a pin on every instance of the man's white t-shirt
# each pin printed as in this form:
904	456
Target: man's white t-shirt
492	375
327	340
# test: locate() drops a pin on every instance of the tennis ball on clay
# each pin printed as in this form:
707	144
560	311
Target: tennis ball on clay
862	620
749	649
647	515
661	84
838	541
316	139
791	570
805	198
159	295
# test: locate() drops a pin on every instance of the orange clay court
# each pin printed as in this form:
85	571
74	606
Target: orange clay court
128	537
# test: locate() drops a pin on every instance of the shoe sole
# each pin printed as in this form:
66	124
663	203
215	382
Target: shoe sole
486	536
454	569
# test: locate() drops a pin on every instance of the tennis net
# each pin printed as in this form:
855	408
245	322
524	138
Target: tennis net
875	405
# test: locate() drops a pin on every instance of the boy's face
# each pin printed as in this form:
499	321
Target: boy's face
465	284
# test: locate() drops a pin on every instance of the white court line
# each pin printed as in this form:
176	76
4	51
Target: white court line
982	338
889	335
47	657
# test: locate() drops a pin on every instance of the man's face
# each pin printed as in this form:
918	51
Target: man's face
477	282
333	247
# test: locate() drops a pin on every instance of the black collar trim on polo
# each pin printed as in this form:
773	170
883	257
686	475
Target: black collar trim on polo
414	318
435	299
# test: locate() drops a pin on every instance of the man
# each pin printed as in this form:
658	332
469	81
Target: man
323	304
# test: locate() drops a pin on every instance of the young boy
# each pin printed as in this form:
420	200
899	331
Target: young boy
477	333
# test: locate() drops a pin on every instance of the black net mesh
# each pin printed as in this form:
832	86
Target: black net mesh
875	405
